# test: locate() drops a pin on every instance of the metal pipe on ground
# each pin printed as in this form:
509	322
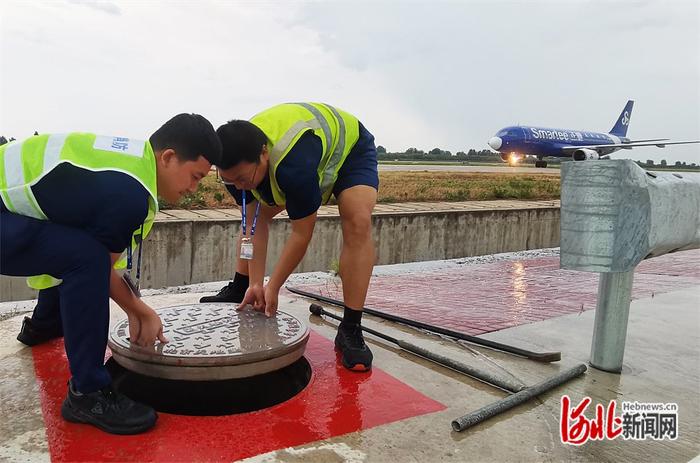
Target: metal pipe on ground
484	376
484	413
536	356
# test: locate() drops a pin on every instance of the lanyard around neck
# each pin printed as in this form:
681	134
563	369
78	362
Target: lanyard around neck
129	263
244	214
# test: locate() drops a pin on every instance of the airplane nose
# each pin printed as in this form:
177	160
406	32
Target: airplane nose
495	142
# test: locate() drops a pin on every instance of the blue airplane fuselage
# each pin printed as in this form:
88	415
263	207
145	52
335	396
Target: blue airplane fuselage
517	141
543	141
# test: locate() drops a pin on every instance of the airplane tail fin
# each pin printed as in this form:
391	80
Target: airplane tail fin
623	122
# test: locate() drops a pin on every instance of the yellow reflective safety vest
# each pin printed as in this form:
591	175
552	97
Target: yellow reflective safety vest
23	164
284	124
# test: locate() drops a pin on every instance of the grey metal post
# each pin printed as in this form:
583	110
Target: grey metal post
611	315
613	215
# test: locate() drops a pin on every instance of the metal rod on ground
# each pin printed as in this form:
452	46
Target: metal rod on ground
466	421
502	383
537	356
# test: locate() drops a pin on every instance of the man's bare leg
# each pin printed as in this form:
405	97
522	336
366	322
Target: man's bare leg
357	256
356	262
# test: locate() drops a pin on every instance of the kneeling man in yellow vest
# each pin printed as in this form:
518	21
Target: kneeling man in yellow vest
72	205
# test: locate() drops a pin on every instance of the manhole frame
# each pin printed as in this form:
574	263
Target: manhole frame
201	368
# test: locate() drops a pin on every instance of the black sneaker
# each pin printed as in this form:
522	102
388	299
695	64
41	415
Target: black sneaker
227	294
356	356
31	336
108	410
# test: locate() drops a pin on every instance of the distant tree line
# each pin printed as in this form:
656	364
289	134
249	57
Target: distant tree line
437	154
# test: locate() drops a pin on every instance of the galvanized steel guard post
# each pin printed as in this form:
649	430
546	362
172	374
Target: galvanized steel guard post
611	315
614	214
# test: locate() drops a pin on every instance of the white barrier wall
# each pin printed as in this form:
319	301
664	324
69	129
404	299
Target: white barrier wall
193	249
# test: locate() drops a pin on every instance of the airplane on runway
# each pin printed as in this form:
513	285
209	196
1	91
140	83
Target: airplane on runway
515	142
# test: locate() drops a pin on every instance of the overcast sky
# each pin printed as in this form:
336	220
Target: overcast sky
419	74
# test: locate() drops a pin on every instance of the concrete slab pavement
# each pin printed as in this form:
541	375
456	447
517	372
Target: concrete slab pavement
662	365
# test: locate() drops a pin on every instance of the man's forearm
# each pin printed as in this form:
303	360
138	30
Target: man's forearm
256	266
120	293
293	252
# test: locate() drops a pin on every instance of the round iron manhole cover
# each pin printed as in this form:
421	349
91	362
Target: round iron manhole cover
213	342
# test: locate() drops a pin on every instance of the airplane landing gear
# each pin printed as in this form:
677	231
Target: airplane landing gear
540	163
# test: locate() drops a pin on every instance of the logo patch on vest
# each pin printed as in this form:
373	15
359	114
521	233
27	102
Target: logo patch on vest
120	145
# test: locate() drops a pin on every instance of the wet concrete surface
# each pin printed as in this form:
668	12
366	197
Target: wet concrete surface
22	432
506	292
662	365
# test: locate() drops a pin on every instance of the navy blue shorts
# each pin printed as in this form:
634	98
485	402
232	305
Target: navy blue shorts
360	167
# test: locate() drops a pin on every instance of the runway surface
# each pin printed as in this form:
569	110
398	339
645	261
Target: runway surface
460	168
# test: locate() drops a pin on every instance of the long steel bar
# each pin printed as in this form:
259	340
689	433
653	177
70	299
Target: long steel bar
537	356
501	383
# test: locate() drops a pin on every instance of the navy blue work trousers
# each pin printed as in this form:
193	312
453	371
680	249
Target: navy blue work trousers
80	304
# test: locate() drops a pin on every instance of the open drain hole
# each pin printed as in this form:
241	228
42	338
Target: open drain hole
212	398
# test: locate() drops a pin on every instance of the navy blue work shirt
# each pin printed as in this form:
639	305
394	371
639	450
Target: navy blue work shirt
108	205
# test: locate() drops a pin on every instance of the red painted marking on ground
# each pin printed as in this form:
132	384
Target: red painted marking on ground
477	299
335	402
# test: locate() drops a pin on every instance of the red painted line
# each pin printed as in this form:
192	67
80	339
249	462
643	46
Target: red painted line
335	402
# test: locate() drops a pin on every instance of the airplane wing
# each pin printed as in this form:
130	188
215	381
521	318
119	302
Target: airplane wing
658	143
648	139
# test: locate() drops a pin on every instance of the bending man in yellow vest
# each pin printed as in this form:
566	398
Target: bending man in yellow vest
71	205
295	156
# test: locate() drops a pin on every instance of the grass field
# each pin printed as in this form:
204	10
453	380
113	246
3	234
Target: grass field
412	186
551	165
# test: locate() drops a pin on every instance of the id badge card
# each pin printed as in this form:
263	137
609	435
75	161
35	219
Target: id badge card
246	249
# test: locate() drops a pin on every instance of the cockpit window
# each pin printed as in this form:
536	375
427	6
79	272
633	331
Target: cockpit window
502	133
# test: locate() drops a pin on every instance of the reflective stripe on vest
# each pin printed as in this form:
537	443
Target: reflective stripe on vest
283	143
322	121
52	152
330	171
18	197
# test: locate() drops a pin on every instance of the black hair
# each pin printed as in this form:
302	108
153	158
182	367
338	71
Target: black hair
191	136
242	141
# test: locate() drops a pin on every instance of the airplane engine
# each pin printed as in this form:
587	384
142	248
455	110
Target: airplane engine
505	157
585	155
